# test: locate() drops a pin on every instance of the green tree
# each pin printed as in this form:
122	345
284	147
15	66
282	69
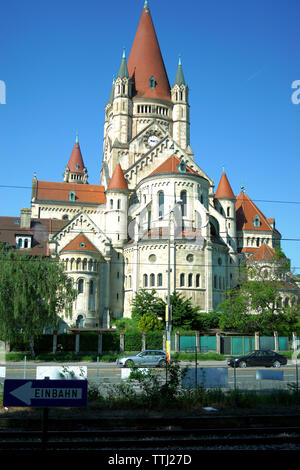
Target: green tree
146	302
255	305
34	291
184	314
150	322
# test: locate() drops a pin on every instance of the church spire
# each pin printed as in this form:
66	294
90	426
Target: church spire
145	63
179	76
75	171
123	71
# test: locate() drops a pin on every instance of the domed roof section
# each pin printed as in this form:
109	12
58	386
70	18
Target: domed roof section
145	63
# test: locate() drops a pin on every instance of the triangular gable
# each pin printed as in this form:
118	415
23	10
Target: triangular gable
80	224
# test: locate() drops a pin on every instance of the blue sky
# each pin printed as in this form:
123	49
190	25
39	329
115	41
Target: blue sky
239	60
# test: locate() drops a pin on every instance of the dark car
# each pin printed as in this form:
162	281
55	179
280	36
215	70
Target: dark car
266	358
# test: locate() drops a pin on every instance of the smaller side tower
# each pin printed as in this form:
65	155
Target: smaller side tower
181	109
122	105
225	203
117	207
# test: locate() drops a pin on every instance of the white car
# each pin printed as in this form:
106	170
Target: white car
148	357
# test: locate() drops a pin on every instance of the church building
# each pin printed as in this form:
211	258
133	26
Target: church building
156	220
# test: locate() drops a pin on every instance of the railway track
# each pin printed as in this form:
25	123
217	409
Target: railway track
171	436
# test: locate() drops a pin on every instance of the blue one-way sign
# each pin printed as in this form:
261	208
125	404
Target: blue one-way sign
45	393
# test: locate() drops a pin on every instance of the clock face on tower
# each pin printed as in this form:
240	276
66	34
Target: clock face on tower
153	140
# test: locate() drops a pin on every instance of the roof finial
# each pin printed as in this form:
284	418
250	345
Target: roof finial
76	140
124	55
223	169
146	5
243	189
179	60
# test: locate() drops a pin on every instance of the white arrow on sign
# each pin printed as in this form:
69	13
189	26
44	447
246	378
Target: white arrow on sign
26	393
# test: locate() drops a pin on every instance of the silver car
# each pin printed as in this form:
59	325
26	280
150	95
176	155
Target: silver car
148	357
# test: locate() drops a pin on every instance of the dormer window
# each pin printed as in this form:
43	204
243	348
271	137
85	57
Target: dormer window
72	196
256	222
152	83
182	167
77	166
23	241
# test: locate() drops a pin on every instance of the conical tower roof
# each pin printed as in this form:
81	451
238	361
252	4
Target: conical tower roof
118	180
224	188
123	71
145	61
76	164
179	76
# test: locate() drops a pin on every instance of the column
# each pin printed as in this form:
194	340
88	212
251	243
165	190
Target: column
256	340
177	341
122	341
99	342
276	341
77	343
54	342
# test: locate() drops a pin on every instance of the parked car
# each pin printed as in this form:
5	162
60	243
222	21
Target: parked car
266	358
148	357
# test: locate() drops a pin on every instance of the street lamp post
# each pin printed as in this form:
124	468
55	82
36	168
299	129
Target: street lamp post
169	306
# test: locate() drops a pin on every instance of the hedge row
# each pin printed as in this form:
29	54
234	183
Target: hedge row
89	342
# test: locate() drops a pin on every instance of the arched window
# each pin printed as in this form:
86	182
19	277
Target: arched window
145	280
152	82
161	203
80	321
215	282
111	204
183	205
256	221
159	280
197	280
119	204
152	280
80	286
182	280
228	211
190	280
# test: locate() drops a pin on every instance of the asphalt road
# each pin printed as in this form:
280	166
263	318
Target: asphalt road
109	373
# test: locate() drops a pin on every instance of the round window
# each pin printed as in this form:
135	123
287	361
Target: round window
190	258
82	245
152	258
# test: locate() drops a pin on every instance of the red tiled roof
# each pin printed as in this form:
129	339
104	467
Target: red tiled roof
50	191
118	180
76	161
170	165
39	231
145	60
263	253
80	243
224	188
246	211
